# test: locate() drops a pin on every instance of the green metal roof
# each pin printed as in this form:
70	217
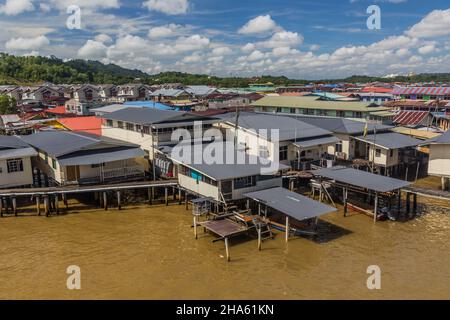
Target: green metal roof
314	103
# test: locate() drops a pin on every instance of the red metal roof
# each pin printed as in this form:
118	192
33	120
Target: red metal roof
90	124
434	91
57	110
410	117
377	90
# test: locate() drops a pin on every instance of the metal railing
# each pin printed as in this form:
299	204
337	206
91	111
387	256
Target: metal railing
122	172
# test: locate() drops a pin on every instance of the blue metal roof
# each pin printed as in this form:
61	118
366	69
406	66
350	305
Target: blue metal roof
149	104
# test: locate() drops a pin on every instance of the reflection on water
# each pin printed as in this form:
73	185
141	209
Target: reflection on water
149	252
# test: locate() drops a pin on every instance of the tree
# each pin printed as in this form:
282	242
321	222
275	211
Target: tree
7	105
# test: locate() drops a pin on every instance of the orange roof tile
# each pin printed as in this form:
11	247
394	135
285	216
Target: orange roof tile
90	124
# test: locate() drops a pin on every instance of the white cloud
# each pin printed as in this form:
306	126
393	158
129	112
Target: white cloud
15	7
249	47
103	38
221	51
193	58
283	39
169	7
164	31
44	7
436	23
27	43
314	47
85	4
259	25
92	50
256	55
427	49
192	43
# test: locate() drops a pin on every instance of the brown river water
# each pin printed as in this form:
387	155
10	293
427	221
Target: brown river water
149	252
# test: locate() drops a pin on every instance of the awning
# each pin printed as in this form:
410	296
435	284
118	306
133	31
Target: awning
17	153
316	142
362	179
290	203
101	157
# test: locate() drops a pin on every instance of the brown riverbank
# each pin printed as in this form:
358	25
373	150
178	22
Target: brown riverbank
149	252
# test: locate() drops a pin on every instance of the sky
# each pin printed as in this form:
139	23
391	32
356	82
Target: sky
301	39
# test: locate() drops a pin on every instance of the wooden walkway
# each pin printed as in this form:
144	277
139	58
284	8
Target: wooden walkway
85	189
430	193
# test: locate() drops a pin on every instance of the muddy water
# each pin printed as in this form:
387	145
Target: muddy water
149	252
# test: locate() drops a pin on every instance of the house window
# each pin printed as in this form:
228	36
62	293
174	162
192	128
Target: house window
391	153
109	123
377	152
54	164
97	165
146	130
340	114
244	182
338	147
283	153
138	128
14	165
130	126
357	114
120	124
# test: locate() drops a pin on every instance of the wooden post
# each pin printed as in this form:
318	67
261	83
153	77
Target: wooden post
100	199
287	229
259	238
166	196
417	171
406	174
226	249
179	196
247	205
38	205
195	226
320	192
105	201
415	203
150	195
64	195
46	208
375	209
174	194
119	205
408	202
1	207
259	208
14	205
399	201
186	203
345	201
56	203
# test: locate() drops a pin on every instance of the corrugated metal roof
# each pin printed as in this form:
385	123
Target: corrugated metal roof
434	91
101	156
409	117
314	103
442	139
362	179
316	142
290	203
17	153
12	142
390	140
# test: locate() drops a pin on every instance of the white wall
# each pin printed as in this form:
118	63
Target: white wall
15	179
439	162
260	185
205	189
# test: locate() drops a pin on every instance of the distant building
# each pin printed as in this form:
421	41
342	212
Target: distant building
422	93
439	163
133	92
15	162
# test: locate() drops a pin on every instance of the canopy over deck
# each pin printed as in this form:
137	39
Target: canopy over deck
290	203
362	179
390	140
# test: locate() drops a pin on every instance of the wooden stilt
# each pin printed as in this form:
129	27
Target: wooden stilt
186	202
226	249
408	202
345	201
415	203
14	205
119	205
375	209
46	206
166	196
105	201
38	205
259	238
174	194
179	196
150	195
195	227
287	229
1	207
56	199
66	203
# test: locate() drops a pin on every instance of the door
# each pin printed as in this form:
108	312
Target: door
73	173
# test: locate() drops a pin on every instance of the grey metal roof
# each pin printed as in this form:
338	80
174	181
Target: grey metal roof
290	203
247	166
341	125
200	90
390	140
100	156
59	143
362	179
148	116
168	92
12	142
289	128
111	108
315	142
17	153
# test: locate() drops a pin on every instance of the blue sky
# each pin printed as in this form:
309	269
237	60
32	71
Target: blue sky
297	38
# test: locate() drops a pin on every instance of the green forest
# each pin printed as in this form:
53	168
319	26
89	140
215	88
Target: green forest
34	70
